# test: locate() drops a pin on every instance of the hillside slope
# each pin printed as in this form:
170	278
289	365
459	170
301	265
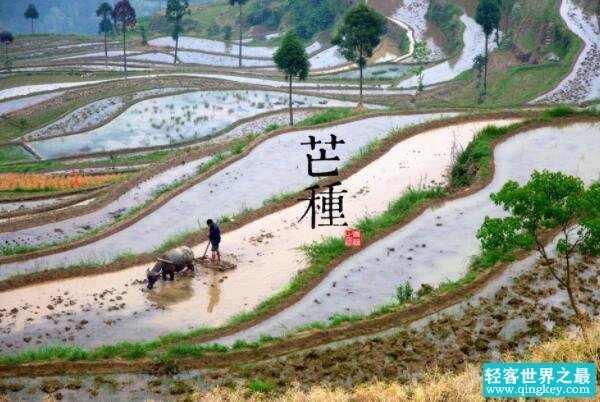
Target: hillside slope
308	17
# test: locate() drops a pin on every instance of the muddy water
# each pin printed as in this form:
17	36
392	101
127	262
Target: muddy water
275	166
266	252
11	206
438	245
512	275
18	104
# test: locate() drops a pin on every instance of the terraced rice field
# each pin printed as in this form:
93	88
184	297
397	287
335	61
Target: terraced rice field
173	144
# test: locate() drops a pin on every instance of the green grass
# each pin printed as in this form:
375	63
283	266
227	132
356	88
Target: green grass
179	351
330	115
14	250
473	163
242	344
12	153
258	386
285	196
521	83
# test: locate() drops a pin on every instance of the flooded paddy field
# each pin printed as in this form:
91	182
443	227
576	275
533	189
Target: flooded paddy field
173	119
214	46
523	307
437	246
94	114
380	71
7	206
266	252
21	103
272	168
474	45
209	138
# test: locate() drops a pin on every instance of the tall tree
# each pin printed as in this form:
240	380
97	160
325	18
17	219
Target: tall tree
105	27
358	35
292	59
488	16
549	201
240	3
31	14
421	56
123	16
478	65
6	38
176	10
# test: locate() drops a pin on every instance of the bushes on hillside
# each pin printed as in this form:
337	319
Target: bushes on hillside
446	16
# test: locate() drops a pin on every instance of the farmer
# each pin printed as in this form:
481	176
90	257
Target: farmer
214	235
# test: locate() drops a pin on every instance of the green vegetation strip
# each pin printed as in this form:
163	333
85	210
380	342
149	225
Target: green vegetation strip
477	156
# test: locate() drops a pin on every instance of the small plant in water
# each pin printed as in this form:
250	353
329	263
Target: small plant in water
404	293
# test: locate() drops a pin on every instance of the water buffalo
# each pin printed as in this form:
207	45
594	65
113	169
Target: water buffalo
168	264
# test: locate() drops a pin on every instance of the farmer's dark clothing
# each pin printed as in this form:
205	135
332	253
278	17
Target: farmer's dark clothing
214	235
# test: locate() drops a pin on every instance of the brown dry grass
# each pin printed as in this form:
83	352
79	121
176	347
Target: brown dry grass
33	181
434	387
